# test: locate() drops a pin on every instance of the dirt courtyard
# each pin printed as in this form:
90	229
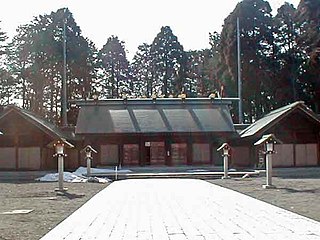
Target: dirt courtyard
301	195
297	194
48	207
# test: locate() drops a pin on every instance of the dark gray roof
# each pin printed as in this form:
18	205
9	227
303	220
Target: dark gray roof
148	116
275	116
41	123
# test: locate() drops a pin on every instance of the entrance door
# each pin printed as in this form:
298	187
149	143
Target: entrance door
154	153
148	155
179	153
157	153
131	154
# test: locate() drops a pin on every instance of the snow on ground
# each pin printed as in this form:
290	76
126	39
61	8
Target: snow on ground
80	175
83	171
67	177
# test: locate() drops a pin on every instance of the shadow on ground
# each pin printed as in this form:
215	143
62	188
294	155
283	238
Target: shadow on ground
292	190
71	195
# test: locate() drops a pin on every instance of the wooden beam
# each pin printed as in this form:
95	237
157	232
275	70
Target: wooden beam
16	146
294	148
189	151
142	152
121	154
168	154
318	148
41	153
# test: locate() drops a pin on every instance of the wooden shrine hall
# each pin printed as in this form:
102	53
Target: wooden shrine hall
155	131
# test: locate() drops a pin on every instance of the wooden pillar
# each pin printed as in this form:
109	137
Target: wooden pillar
318	148
211	152
121	155
96	159
189	151
294	148
168	158
41	145
16	146
253	155
79	154
142	151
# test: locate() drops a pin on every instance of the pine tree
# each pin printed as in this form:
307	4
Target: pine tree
169	63
36	59
7	82
308	20
116	66
256	41
286	57
141	68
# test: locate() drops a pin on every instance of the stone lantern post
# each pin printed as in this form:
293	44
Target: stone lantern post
268	142
225	147
88	150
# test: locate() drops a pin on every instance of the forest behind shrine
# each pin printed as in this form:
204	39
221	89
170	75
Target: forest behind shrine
280	62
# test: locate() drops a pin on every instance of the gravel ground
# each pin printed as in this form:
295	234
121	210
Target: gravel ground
297	193
49	208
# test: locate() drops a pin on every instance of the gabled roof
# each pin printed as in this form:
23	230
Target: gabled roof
274	117
47	127
154	116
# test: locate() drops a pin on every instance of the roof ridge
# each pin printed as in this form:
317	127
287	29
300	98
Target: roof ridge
289	106
44	123
281	111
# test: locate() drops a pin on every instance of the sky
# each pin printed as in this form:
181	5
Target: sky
133	21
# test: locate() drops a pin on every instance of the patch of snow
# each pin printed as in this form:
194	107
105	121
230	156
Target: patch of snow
67	177
71	177
197	170
82	171
19	211
80	175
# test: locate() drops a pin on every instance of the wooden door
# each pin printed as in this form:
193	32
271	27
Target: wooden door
179	153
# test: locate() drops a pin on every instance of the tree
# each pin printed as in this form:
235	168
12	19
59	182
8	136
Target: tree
36	59
7	82
202	73
3	38
117	82
256	41
308	21
141	68
286	57
194	74
169	63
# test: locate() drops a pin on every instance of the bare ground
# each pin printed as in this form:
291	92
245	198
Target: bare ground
49	208
299	195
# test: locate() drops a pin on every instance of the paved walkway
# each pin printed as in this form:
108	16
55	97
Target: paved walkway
180	209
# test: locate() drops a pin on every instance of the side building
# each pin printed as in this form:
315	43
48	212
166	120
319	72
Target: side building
25	139
295	125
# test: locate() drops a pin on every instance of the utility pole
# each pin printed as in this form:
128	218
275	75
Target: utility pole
239	73
64	78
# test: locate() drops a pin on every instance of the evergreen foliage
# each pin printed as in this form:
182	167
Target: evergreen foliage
168	63
117	80
280	62
36	59
142	72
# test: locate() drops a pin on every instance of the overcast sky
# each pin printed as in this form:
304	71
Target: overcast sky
133	21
